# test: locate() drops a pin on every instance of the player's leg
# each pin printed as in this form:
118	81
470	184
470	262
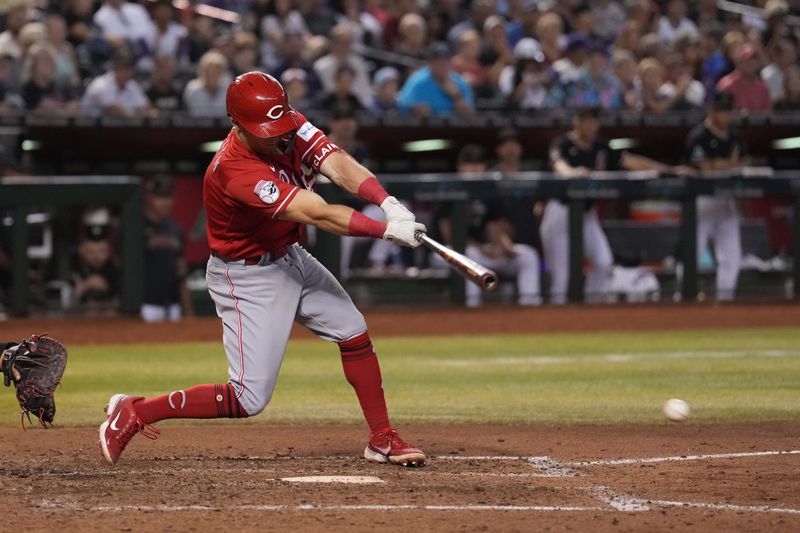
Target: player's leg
728	252
705	227
526	264
327	310
247	298
598	252
153	313
555	245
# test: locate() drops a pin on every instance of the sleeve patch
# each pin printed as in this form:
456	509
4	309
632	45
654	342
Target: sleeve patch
267	191
307	131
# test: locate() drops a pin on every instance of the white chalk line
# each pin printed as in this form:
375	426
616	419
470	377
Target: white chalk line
615	503
680	458
554	359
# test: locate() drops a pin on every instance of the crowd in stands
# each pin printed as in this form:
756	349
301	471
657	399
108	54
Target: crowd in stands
149	57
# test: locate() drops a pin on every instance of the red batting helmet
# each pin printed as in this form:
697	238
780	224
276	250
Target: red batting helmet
258	103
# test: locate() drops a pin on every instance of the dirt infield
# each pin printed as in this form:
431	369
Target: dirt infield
479	478
444	321
243	477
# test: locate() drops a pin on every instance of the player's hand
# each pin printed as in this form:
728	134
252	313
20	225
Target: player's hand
395	211
404	233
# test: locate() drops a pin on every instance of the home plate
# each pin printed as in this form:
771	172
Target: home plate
333	479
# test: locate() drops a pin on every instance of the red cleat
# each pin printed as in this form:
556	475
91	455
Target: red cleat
387	447
122	424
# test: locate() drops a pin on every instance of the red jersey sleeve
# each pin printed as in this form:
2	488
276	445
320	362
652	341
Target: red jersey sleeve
262	190
312	145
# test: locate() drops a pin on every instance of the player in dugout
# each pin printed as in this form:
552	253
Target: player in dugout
714	145
258	192
576	155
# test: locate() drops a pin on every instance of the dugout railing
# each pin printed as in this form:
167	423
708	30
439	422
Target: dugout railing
457	190
18	195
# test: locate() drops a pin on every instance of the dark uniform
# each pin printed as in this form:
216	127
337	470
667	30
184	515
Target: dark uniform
554	228
717	216
163	250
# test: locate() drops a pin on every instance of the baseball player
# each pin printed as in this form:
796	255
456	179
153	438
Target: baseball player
575	155
713	145
258	191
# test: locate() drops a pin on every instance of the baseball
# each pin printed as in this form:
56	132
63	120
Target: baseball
676	410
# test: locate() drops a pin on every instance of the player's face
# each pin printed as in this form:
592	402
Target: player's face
587	128
721	119
266	145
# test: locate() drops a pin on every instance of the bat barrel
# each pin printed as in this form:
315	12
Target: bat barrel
472	270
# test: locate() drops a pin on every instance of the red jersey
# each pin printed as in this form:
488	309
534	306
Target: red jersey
244	193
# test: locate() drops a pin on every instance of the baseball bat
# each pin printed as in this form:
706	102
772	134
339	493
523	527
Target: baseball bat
473	271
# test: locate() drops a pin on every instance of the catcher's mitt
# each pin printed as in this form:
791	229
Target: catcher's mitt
35	366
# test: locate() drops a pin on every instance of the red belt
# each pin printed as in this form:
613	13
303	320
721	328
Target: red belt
274	255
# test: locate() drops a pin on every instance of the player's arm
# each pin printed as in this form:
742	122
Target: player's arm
631	161
308	207
565	170
352	176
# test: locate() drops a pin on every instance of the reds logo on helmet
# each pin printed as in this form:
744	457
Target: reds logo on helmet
258	103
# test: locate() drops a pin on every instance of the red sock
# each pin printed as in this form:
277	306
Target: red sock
200	401
363	372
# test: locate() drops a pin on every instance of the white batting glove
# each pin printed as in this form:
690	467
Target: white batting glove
403	233
395	211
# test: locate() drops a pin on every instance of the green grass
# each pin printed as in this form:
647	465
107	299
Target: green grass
742	375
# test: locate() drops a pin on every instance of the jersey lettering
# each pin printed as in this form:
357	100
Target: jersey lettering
322	153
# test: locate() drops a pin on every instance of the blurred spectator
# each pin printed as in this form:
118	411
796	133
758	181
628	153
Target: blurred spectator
200	38
412	32
657	97
163	90
126	24
749	91
116	93
675	22
480	10
165	36
568	68
713	62
283	20
784	57
626	71
465	61
436	89
678	77
342	92
245	53
341	53
550	33
581	19
596	84
791	89
387	86
16	15
166	296
319	17
731	42
527	83
78	18
295	83
644	13
293	54
66	65
32	33
629	37
39	90
608	19
496	53
204	96
686	49
714	145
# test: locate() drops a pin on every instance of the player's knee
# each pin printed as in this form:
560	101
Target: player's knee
254	400
527	255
